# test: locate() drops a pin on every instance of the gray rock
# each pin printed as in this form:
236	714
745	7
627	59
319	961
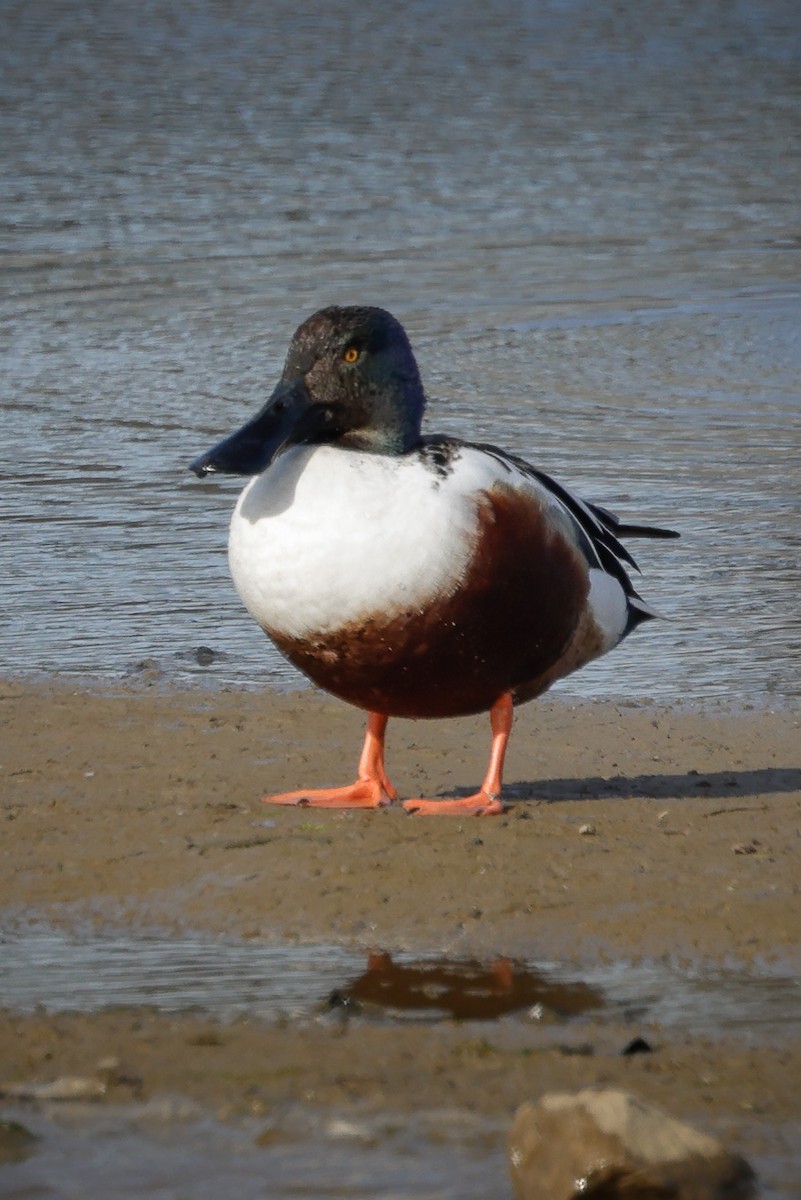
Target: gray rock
605	1144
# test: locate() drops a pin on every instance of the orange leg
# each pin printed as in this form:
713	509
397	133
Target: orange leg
372	789
487	801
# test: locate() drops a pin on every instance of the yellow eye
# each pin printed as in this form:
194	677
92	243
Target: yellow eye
351	355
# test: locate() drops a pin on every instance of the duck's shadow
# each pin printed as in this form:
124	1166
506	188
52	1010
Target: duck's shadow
691	784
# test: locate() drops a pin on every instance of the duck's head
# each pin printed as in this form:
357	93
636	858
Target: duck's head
350	377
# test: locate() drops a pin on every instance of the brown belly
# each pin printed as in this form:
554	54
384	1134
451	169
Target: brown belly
504	628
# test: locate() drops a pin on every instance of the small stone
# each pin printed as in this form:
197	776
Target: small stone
16	1142
148	670
66	1087
112	1073
270	1137
587	830
339	1127
109	1068
637	1045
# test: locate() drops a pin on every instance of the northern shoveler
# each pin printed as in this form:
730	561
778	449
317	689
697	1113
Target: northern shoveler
411	575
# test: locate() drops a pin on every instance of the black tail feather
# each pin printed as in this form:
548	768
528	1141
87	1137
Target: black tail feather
646	531
621	529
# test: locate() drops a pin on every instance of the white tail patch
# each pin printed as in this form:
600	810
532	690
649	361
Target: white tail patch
609	606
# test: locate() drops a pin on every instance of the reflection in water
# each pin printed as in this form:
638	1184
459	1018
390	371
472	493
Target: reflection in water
463	989
62	972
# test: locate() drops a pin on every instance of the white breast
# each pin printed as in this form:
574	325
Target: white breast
327	537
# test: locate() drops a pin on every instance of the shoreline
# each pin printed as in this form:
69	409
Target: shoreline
694	818
149	676
634	834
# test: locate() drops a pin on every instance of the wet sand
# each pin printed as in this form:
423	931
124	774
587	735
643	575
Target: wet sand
633	833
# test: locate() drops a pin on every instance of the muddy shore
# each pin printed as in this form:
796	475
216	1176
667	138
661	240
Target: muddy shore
633	833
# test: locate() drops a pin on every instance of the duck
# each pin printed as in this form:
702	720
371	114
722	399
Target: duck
412	575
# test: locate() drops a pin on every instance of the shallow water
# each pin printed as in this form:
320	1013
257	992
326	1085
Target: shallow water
168	1147
60	972
169	1152
586	214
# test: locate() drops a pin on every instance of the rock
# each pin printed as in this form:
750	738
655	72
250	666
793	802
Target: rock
16	1142
637	1045
112	1074
66	1087
147	670
605	1144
